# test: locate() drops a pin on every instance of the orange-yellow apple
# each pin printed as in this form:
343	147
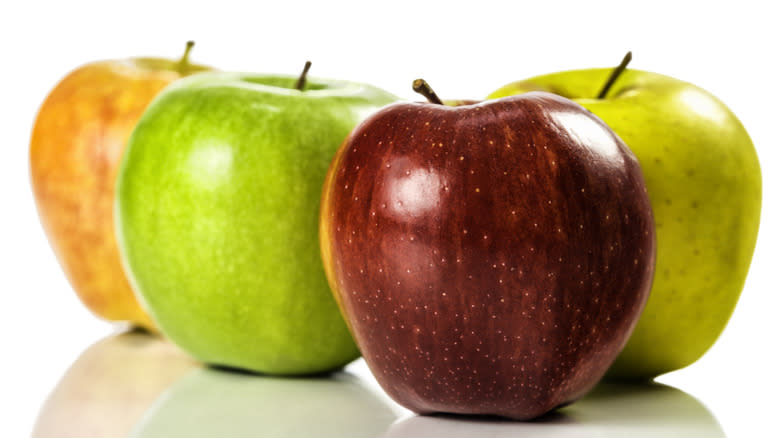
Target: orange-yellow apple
77	142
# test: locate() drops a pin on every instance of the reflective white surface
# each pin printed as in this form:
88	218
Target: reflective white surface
209	403
611	410
133	384
107	390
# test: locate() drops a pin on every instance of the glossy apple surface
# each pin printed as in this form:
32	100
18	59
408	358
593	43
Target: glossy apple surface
490	258
704	182
76	147
217	209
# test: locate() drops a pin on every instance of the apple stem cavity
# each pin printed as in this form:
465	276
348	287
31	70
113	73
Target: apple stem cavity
184	61
422	87
615	74
302	78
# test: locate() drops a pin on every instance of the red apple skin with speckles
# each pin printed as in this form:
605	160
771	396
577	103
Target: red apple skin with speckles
491	258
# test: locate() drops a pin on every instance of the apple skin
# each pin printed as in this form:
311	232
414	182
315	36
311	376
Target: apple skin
491	258
704	181
217	210
75	150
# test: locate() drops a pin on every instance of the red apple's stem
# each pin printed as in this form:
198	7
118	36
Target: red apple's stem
184	61
302	78
613	77
422	87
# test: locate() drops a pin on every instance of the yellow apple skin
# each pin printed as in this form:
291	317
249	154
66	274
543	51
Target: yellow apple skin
704	181
77	142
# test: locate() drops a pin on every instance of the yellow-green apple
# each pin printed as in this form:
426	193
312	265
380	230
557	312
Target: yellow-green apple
704	181
75	150
110	386
217	206
489	258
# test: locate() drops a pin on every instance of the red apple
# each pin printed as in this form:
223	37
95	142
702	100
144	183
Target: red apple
490	258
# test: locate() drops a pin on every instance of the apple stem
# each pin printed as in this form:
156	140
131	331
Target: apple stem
613	77
302	78
184	61
422	87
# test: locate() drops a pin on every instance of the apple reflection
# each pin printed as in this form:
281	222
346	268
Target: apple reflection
110	386
213	403
610	410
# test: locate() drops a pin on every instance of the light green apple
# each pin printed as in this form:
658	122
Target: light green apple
704	181
216	216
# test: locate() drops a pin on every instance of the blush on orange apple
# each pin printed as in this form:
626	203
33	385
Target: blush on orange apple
77	142
490	258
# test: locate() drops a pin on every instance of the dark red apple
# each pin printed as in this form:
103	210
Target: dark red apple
490	258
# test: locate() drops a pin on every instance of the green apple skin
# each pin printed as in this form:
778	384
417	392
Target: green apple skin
704	181
217	211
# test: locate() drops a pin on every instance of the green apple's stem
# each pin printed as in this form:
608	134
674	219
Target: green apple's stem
184	61
422	87
615	74
302	78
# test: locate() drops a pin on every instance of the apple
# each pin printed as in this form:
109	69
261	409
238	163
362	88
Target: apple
704	182
210	403
109	387
611	410
217	210
76	146
488	258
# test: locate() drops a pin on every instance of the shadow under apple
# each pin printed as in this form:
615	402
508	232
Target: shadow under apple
610	410
110	386
211	402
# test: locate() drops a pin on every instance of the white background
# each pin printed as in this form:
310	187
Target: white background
465	52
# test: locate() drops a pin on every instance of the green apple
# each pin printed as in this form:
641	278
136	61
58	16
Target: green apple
704	181
216	216
209	403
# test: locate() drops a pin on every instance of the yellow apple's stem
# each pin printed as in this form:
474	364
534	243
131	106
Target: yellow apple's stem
302	78
184	61
422	87
613	77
